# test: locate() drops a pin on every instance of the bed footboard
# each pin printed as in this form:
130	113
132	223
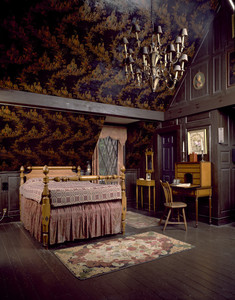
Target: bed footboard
46	203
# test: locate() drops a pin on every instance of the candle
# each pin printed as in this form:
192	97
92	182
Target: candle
183	146
202	145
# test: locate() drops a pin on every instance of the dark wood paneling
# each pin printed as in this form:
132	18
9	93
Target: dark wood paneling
13	195
232	128
180	96
131	176
203	50
203	104
233	191
9	192
225	157
202	116
203	67
225	189
212	61
217	36
217	74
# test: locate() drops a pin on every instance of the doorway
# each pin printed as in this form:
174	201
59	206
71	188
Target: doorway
168	156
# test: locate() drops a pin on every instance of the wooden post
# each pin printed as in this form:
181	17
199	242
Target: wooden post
123	187
78	171
21	182
45	209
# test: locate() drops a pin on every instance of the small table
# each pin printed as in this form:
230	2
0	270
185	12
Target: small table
149	184
195	191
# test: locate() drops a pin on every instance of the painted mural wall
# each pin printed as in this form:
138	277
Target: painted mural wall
74	48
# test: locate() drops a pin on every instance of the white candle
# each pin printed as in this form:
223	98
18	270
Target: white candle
183	146
202	145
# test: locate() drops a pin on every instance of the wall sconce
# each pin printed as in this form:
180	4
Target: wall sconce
221	135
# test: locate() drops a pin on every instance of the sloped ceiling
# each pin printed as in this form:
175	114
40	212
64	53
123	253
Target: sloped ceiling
74	48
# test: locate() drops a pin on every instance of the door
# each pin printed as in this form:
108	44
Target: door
168	156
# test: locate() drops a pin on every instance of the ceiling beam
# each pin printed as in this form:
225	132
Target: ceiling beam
74	105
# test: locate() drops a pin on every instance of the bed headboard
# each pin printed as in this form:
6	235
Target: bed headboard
54	171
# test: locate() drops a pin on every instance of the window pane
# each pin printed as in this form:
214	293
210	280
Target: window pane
108	156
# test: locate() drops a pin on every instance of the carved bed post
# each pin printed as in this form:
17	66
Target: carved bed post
45	209
123	187
79	171
21	182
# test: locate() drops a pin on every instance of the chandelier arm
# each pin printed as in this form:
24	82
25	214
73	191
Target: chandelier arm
158	64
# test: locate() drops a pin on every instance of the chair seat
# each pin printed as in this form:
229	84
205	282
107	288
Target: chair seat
175	205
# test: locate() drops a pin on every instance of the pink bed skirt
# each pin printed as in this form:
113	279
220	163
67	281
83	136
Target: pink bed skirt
73	222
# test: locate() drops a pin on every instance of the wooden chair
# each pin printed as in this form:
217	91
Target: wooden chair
170	205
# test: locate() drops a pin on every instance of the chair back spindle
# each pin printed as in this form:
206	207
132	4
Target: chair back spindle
167	192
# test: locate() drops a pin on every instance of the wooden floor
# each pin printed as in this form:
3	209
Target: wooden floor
27	271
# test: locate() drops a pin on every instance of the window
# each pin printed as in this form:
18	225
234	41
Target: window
108	156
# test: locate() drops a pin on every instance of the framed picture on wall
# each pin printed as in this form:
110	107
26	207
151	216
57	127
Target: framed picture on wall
197	141
231	68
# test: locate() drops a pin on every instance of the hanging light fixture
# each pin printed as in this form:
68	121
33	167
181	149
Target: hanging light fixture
156	63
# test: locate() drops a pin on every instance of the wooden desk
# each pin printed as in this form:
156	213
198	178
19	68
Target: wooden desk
149	184
195	191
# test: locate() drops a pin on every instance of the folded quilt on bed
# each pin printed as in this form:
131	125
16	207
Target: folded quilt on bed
70	192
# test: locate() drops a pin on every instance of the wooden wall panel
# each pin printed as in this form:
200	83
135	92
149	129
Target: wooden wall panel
216	74
131	176
197	117
180	97
13	194
224	189
225	157
196	93
232	129
217	36
233	190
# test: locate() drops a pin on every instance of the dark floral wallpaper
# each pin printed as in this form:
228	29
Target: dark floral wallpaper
39	136
139	138
74	48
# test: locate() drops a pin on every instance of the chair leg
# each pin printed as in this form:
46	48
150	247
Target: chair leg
168	217
164	213
185	222
178	214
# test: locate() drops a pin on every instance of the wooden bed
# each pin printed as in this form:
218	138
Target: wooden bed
58	204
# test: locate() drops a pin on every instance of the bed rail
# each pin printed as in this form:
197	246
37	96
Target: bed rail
46	205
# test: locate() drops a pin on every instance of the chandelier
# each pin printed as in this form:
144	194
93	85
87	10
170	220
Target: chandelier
157	64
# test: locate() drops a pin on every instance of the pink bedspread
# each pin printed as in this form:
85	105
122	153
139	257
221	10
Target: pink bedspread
70	192
73	222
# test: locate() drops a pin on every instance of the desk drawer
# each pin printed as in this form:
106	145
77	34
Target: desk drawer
189	168
183	192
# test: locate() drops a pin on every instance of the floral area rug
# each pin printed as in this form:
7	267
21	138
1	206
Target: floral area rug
100	258
140	221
